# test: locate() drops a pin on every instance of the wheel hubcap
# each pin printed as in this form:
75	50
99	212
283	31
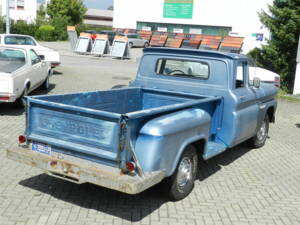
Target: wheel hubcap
184	172
262	131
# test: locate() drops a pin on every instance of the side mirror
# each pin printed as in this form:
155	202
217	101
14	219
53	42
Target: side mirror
256	82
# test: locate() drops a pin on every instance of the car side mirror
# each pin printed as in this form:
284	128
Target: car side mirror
256	82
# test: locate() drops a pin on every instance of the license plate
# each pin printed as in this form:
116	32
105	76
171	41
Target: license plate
41	148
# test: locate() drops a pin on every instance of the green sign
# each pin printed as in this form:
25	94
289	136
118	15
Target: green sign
181	9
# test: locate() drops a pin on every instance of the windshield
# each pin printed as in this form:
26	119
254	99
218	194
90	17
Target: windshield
18	40
11	60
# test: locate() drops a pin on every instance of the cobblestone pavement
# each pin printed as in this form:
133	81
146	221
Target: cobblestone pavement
241	186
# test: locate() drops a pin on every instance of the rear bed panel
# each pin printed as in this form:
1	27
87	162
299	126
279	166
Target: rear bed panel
74	131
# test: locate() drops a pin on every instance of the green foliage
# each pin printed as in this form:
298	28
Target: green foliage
60	24
74	9
280	53
2	24
22	27
83	27
45	33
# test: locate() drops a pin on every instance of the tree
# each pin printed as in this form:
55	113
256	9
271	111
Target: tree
280	53
110	7
73	9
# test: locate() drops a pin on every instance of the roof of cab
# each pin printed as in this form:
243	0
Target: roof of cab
195	52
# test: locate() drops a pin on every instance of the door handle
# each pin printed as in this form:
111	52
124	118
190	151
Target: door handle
242	97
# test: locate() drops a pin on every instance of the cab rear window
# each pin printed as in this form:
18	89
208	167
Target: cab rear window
182	68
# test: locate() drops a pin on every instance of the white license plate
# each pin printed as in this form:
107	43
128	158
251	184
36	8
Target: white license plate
41	148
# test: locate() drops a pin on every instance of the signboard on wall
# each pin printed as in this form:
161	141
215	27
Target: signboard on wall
180	9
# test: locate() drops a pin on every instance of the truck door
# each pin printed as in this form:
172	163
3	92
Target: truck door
247	108
37	69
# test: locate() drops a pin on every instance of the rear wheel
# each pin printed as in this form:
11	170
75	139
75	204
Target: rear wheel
181	183
261	136
46	84
130	44
21	102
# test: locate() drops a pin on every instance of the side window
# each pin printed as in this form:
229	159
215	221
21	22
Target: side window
29	41
34	57
241	75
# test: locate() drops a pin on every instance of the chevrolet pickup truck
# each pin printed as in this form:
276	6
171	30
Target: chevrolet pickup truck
183	106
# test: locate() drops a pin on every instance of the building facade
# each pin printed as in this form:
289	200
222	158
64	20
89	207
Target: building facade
98	17
214	17
24	10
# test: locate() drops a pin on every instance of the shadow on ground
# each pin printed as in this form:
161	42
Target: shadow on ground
129	207
297	125
11	109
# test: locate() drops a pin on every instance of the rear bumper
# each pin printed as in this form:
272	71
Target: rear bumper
7	97
82	171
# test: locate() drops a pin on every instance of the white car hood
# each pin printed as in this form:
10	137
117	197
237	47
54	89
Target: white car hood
263	74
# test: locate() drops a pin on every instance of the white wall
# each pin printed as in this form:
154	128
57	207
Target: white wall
241	15
28	13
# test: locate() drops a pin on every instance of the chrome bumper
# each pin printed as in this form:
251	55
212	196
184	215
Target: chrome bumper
83	171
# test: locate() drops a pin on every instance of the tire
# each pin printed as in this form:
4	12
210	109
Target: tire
20	102
146	45
45	86
181	183
130	44
260	137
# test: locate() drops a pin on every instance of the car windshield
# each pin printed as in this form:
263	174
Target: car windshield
18	40
11	60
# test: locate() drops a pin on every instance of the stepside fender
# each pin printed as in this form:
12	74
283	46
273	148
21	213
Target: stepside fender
162	140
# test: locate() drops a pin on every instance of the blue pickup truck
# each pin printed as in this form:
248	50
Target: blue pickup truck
183	106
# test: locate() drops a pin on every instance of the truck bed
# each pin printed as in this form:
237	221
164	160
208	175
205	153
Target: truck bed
122	101
99	126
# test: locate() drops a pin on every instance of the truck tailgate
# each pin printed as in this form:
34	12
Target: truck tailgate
88	133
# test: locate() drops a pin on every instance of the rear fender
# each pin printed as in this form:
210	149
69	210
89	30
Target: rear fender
162	140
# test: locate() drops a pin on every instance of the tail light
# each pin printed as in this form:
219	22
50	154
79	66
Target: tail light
130	166
277	81
4	98
22	139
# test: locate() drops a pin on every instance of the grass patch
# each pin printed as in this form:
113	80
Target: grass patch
284	95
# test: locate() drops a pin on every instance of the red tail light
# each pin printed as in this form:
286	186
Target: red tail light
130	166
277	81
22	139
4	98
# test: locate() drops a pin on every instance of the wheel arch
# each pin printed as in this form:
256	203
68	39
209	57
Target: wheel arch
271	114
198	142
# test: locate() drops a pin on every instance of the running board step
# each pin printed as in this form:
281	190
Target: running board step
213	149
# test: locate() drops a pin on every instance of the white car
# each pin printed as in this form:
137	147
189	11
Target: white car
21	72
266	76
47	54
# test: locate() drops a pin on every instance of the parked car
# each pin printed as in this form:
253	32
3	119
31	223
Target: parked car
265	76
183	106
134	40
47	54
21	72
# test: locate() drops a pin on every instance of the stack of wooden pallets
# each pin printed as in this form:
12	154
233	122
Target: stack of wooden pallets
232	44
159	39
145	34
210	42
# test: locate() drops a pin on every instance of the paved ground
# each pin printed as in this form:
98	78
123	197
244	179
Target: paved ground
241	186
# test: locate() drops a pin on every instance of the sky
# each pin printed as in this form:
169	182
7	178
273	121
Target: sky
96	4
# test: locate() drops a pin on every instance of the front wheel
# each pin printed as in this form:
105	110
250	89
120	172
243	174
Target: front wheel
261	135
146	45
181	183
